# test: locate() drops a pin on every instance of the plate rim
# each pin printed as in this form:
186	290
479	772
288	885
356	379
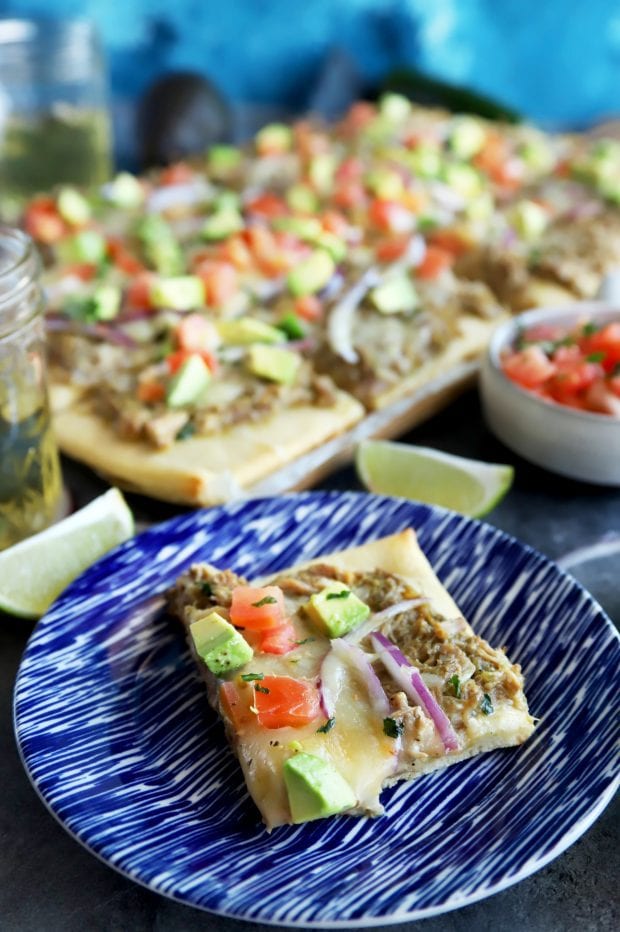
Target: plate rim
456	902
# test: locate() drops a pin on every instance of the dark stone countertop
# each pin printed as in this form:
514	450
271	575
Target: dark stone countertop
48	883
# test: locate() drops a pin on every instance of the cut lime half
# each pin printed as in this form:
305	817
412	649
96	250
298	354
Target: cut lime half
34	571
468	486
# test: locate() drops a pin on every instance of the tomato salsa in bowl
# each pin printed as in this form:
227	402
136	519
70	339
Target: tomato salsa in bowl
550	387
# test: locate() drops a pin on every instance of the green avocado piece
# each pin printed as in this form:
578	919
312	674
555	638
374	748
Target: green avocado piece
125	191
394	107
396	295
273	363
311	274
466	137
276	137
159	244
291	325
529	219
537	154
222	223
222	160
106	302
463	179
306	228
301	197
337	610
425	161
385	183
73	207
179	292
315	788
86	246
321	172
246	330
220	645
188	383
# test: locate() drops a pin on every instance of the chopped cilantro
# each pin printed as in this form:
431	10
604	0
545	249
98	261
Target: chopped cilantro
188	430
596	357
589	328
392	727
206	587
250	677
616	370
261	689
267	600
305	641
344	594
486	706
456	685
329	724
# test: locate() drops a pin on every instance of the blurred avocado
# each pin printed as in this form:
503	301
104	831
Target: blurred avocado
181	114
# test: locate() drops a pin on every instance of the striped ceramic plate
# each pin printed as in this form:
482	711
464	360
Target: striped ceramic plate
118	740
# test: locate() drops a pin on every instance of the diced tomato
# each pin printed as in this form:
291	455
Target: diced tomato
267	205
138	293
308	141
567	355
601	399
150	392
309	307
219	279
542	332
43	222
449	240
435	261
350	169
495	160
607	341
85	271
235	705
196	333
360	114
283	702
335	222
349	195
614	384
529	367
175	360
269	256
571	378
123	258
258	609
390	216
392	248
279	640
179	173
235	251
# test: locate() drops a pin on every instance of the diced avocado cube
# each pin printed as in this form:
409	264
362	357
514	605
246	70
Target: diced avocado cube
395	107
275	137
87	246
463	179
188	383
222	160
315	788
537	154
480	207
273	363
301	197
425	161
125	191
306	228
529	219
311	274
385	183
337	610
321	172
73	207
246	330
291	325
396	295
106	302
334	245
222	223
227	200
179	292
218	644
160	246
467	137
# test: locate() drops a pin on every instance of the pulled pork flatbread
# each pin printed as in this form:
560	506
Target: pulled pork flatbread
345	675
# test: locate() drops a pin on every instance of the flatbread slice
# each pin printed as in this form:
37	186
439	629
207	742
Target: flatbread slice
201	470
367	728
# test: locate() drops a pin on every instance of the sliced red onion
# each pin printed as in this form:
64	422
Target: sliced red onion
410	681
374	621
179	195
114	335
412	257
355	657
330	678
304	345
332	287
340	321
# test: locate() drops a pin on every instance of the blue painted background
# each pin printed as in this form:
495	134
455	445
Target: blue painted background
557	61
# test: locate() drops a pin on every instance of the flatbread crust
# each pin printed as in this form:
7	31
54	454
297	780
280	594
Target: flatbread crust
201	470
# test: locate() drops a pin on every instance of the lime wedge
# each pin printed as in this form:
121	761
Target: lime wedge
468	486
34	571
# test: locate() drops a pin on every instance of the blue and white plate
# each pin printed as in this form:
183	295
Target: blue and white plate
117	737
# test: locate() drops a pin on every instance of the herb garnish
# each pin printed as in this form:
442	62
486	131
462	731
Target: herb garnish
393	728
250	677
188	430
206	588
261	689
267	600
589	328
305	641
338	595
596	357
456	685
486	706
329	724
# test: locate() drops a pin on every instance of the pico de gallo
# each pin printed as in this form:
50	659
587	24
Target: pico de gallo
577	366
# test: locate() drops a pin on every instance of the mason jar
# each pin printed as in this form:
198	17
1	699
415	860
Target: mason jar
30	482
54	121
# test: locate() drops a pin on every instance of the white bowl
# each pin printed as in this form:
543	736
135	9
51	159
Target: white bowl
572	443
